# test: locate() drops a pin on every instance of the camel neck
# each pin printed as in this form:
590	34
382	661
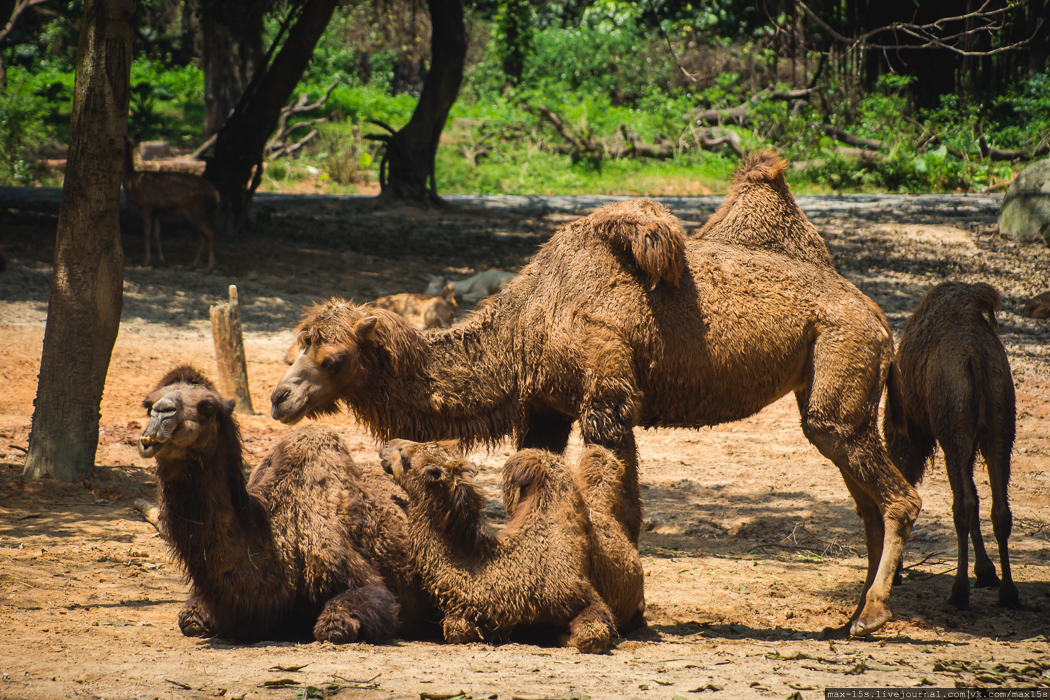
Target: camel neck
463	388
208	512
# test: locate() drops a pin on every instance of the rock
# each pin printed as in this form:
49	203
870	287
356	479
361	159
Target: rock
1038	306
154	150
1025	214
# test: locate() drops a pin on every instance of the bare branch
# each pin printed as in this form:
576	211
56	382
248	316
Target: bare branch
847	138
278	146
20	7
927	33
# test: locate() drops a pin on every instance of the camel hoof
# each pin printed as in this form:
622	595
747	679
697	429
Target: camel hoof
337	629
870	621
590	638
960	597
192	625
1008	597
986	579
835	633
460	631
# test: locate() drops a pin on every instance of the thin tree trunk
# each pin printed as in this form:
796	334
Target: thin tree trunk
237	164
407	170
83	314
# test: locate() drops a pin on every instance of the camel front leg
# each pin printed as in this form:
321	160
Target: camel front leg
368	613
592	630
460	630
609	411
156	238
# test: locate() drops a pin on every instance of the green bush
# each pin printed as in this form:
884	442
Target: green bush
23	130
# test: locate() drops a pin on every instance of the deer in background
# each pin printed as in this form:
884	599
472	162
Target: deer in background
157	194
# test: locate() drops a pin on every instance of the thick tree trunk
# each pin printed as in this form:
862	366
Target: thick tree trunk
236	165
83	314
407	169
232	53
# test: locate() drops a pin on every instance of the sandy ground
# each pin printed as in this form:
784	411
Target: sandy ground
754	544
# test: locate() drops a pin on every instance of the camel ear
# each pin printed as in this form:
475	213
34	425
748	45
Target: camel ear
448	291
432	474
365	327
471	467
227	406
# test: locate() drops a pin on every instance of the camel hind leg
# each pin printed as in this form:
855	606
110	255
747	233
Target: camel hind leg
996	452
368	612
839	407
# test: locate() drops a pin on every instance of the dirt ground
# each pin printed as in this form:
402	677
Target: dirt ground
753	545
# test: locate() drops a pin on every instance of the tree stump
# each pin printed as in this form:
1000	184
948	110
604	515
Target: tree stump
229	352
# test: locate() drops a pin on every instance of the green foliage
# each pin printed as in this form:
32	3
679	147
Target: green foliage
23	130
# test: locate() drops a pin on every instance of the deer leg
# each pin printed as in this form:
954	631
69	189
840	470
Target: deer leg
997	456
156	238
195	620
368	612
147	226
207	236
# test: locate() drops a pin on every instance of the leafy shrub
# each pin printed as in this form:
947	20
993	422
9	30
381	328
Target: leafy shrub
23	131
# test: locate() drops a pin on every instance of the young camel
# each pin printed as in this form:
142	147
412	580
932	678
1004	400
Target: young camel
537	572
157	194
618	321
955	390
310	542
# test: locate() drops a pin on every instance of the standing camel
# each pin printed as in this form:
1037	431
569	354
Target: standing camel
955	389
618	322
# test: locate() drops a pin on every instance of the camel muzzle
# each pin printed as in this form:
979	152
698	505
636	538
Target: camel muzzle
163	419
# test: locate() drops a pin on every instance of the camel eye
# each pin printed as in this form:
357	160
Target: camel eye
331	364
432	474
206	407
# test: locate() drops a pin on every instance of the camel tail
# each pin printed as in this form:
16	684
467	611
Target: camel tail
649	232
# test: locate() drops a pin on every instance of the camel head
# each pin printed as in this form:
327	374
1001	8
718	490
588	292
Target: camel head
340	347
425	467
436	477
185	413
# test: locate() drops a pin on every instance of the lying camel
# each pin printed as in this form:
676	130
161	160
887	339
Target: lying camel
311	542
536	572
618	321
422	311
955	390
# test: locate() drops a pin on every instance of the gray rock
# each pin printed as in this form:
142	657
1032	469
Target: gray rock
1025	215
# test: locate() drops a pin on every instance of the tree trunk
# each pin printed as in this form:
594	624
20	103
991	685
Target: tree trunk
232	53
237	163
407	169
83	314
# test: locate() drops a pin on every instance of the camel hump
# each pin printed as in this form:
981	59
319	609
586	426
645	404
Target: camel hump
528	470
765	166
185	374
646	230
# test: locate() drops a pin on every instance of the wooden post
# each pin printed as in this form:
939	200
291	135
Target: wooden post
229	352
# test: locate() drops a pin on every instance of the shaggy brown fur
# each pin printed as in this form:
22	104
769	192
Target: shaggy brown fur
955	389
536	572
759	212
309	541
157	194
618	322
1038	306
420	310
